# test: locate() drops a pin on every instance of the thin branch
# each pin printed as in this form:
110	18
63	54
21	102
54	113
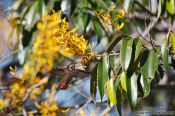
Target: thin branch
24	111
143	7
4	88
84	106
107	110
79	92
43	81
111	54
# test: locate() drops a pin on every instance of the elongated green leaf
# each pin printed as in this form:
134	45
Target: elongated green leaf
73	6
170	6
102	74
86	19
149	65
149	68
41	8
93	82
123	80
138	45
118	96
125	52
98	29
31	13
165	53
111	91
173	41
131	84
113	44
145	85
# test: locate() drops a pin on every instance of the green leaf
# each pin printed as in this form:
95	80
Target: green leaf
41	8
31	14
149	65
145	85
165	53
98	29
24	12
170	7
73	6
118	95
86	19
113	44
125	52
173	41
93	82
138	45
111	91
131	84
123	80
102	74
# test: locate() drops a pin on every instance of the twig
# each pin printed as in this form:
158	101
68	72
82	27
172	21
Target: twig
85	105
24	111
112	54
4	88
85	96
105	111
43	81
143	7
87	10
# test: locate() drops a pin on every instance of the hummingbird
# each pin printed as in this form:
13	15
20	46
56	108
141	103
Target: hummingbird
68	73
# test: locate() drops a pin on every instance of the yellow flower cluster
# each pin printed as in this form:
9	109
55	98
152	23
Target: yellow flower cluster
55	38
112	21
49	107
60	38
87	58
2	103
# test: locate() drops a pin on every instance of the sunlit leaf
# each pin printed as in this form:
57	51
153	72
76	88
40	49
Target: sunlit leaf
170	6
123	80
125	52
173	41
165	52
111	91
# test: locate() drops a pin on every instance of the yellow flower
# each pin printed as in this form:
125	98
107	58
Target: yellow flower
118	27
2	103
87	58
121	14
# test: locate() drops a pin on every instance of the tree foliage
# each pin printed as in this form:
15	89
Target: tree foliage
125	66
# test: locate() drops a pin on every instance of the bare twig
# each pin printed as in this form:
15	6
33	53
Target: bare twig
79	92
4	88
105	111
85	105
43	81
24	111
143	7
111	54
